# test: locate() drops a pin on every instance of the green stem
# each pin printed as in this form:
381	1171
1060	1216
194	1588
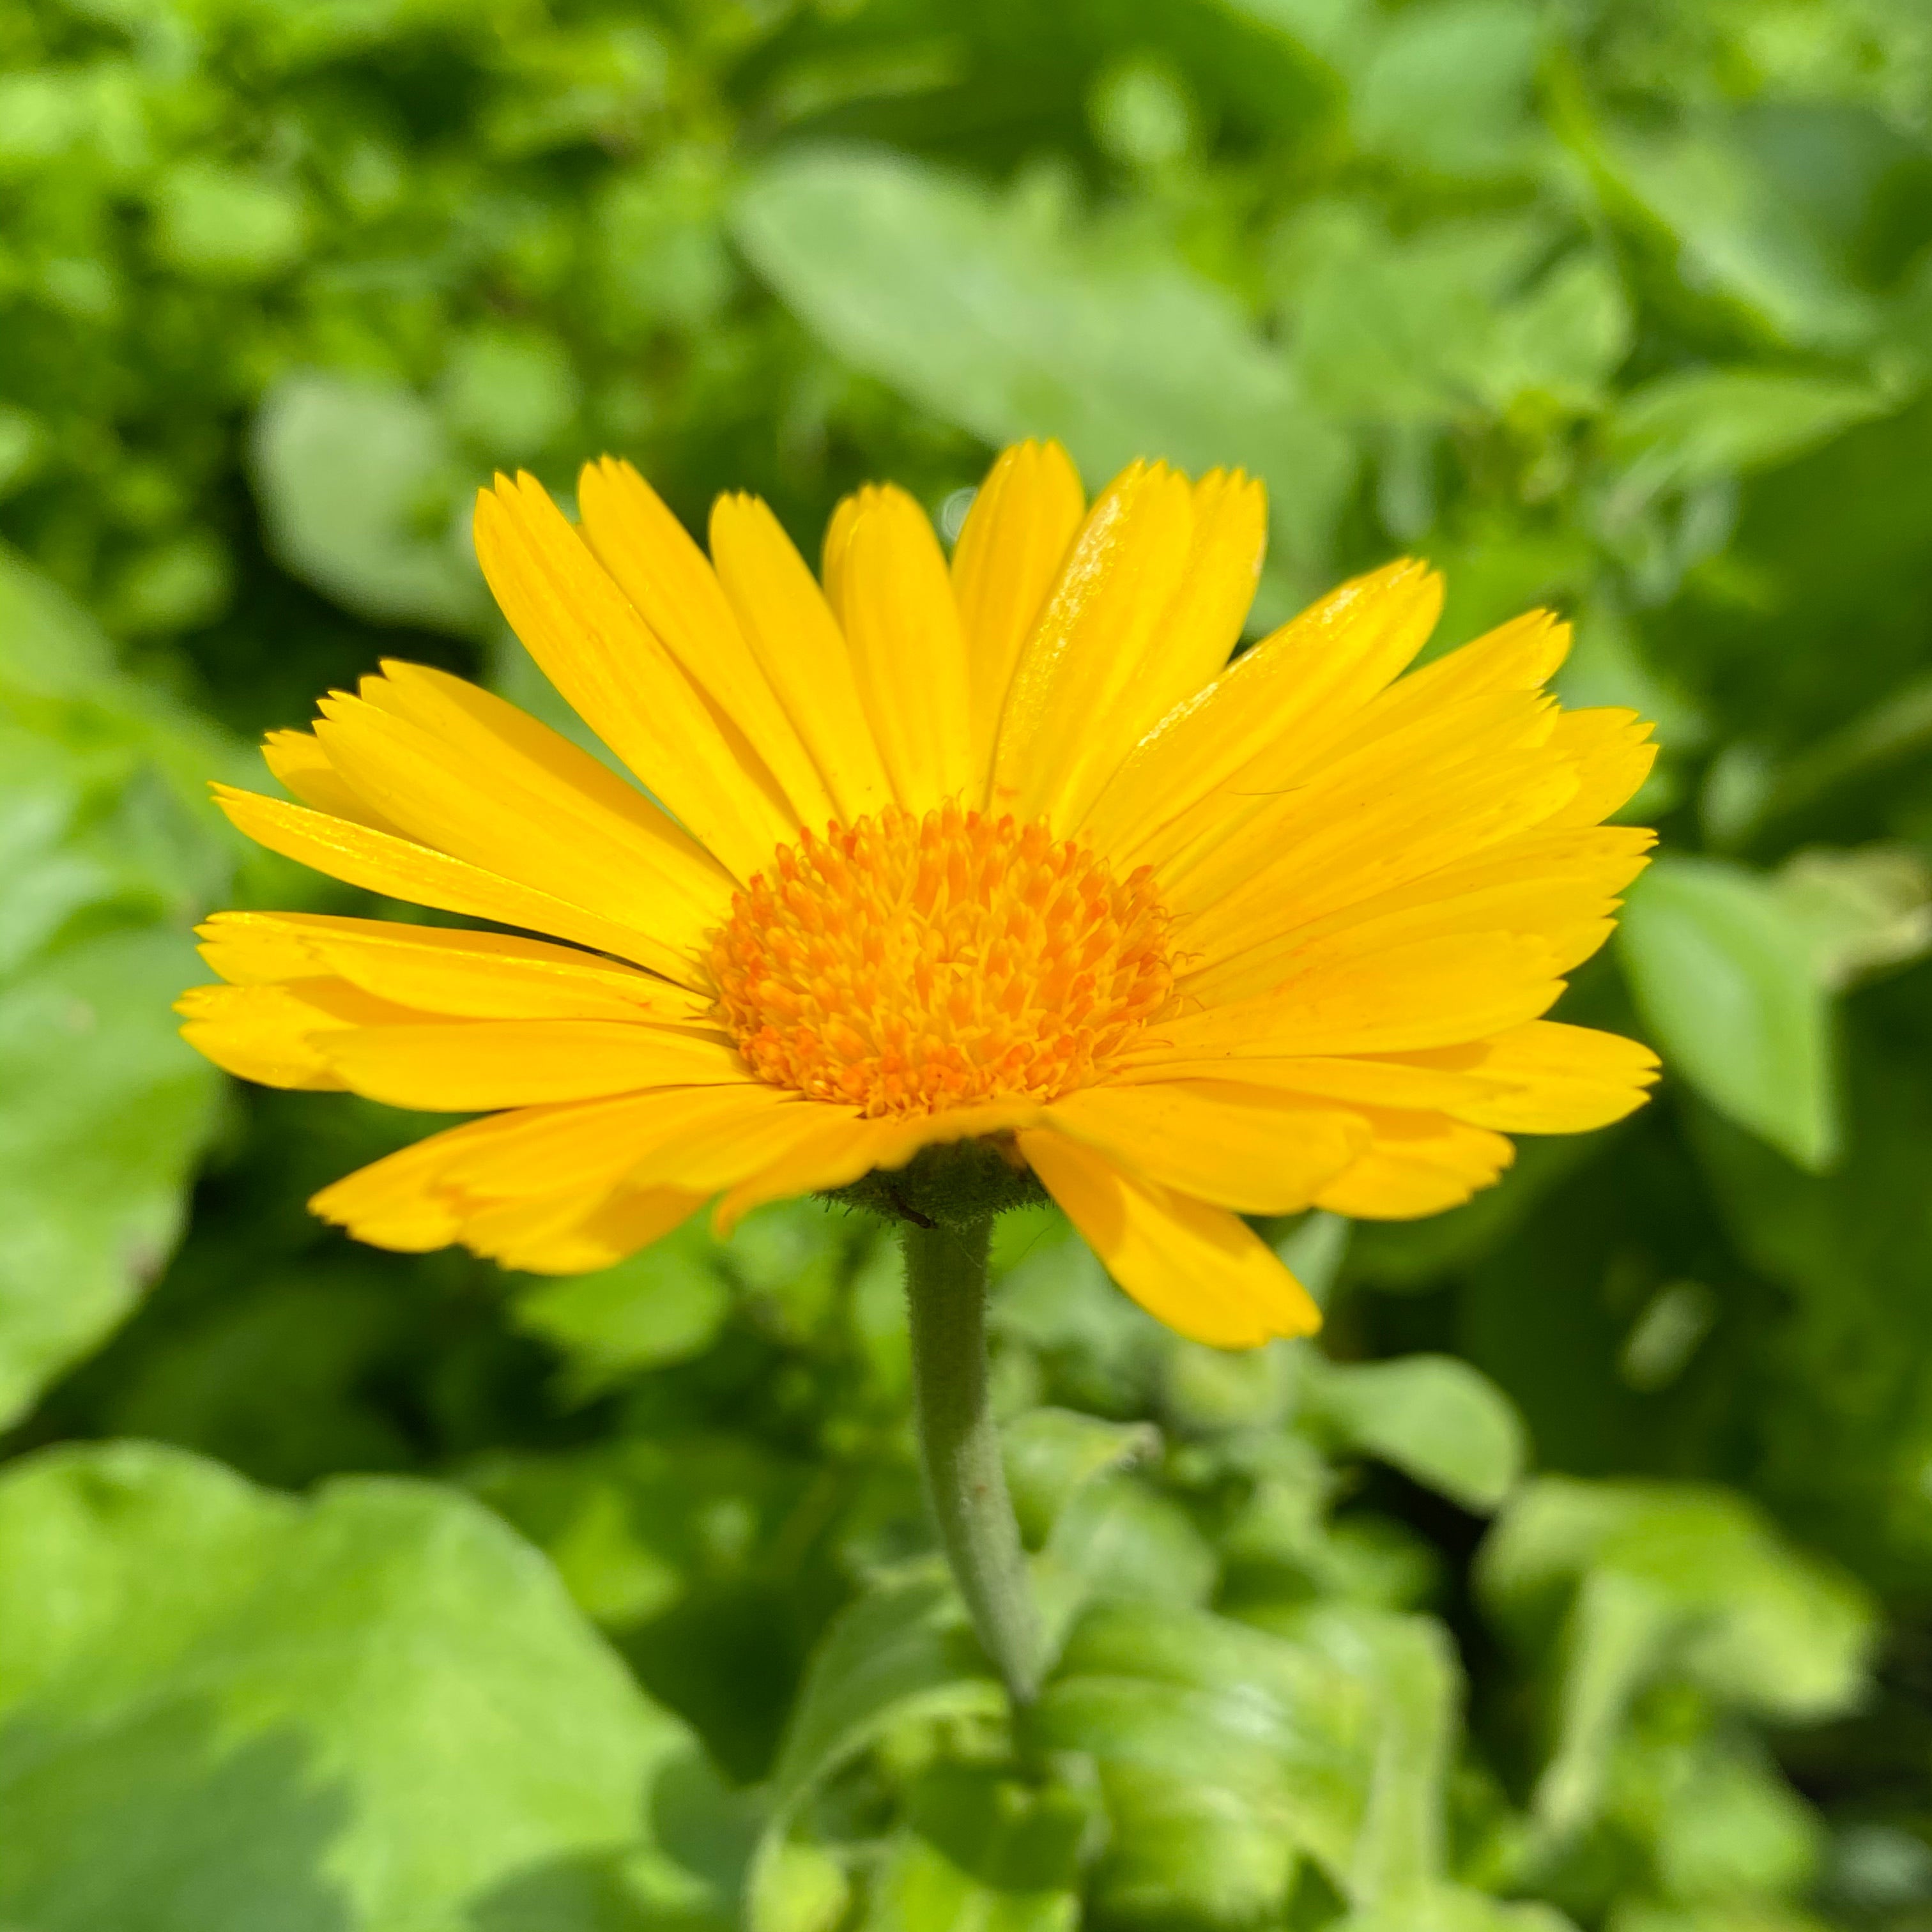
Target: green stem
959	1445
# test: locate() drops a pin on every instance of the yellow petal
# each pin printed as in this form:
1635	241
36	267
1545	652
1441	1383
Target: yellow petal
442	970
1611	754
672	1136
1147	608
1093	639
1202	625
1016	537
1190	644
266	1034
605	659
400	869
392	1203
466	1066
1437	992
302	767
1271	712
1553	885
796	641
699	1138
670	582
1549	1077
887	580
1388	814
1246	1147
1545	1078
418	1198
825	1147
1199	1269
1413	1081
1417	1164
835	1147
474	777
575	1234
1521	655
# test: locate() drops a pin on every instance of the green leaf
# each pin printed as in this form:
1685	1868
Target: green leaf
1051	1454
225	224
901	1652
1631	1584
1119	1539
1452	1909
1009	329
1217	1748
1434	1417
632	1526
103	1110
1841	1406
1445	88
1399	330
1736	226
983	1853
1225	1751
1409	1665
1858	911
1723	976
508	390
108	851
222	1708
58	679
664	1304
1724	1822
352	476
1680	430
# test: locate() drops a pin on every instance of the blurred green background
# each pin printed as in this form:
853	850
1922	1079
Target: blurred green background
1580	1576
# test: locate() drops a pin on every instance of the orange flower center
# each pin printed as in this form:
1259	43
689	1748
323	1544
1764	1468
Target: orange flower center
907	964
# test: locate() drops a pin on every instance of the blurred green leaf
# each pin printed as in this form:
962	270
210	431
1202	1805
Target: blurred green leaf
1435	1418
1051	1454
901	1650
1120	1539
225	224
508	391
996	323
348	473
1703	424
633	1527
103	862
225	1707
1705	186
103	1111
1450	1909
983	1854
1842	1419
1443	88
1724	975
1858	911
1650	1583
666	1304
1223	1751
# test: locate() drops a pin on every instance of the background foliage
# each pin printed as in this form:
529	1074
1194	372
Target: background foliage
1580	1576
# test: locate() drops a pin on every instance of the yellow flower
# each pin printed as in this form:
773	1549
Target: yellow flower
1006	850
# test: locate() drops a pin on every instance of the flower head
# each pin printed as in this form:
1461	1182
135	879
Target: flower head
1006	851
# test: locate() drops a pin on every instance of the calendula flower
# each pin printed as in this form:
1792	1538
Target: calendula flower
1006	852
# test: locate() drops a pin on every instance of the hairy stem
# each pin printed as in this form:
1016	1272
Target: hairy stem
946	1287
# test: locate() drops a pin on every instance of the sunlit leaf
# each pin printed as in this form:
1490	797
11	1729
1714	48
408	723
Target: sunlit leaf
1008	330
348	473
1724	976
1436	1419
230	1709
